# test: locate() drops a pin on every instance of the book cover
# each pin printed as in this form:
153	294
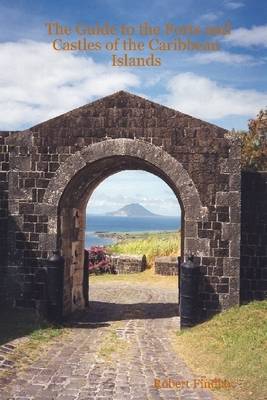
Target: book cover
133	171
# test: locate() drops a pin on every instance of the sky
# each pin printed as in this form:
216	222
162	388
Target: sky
225	87
128	187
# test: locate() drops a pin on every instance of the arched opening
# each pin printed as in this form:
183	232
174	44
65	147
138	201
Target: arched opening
132	241
72	238
130	201
66	198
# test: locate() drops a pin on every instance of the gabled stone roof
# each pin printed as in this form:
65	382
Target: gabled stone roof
115	109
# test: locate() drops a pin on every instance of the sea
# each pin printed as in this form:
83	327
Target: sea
104	223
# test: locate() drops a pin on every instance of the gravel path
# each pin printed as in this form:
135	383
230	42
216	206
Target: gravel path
115	350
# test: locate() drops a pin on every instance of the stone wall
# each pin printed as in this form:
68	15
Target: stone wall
4	168
128	264
166	266
55	166
254	236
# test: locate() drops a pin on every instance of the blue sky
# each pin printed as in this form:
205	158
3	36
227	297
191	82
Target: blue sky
226	87
128	187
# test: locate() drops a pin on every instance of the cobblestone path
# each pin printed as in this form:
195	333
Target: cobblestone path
115	351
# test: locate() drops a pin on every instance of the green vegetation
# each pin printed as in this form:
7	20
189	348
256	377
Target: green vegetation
112	344
45	334
151	244
254	143
24	322
232	346
33	333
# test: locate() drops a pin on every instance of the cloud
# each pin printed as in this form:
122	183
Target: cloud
233	5
209	17
204	98
128	187
38	83
256	36
225	57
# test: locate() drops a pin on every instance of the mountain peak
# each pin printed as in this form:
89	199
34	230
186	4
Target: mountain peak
132	210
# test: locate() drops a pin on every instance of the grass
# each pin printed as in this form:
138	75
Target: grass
112	344
45	334
232	345
24	322
36	334
36	344
147	277
152	245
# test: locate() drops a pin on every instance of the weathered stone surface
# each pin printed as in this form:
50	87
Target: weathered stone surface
76	366
230	231
49	172
230	266
227	198
166	265
20	163
235	182
128	264
198	247
253	282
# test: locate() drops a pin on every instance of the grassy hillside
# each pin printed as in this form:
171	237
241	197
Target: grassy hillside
152	245
232	345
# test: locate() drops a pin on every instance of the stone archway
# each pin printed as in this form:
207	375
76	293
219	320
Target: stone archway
50	170
66	197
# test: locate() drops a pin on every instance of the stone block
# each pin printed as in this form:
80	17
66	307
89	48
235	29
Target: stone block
231	266
230	166
128	264
235	182
190	229
197	247
230	231
235	248
228	199
166	265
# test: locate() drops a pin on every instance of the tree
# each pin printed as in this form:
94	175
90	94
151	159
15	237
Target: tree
254	143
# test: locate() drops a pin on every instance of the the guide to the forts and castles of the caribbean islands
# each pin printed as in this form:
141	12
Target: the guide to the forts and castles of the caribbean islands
174	94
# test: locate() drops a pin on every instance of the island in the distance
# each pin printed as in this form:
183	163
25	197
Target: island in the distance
133	210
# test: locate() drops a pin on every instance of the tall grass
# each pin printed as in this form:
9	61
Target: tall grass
232	345
152	245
